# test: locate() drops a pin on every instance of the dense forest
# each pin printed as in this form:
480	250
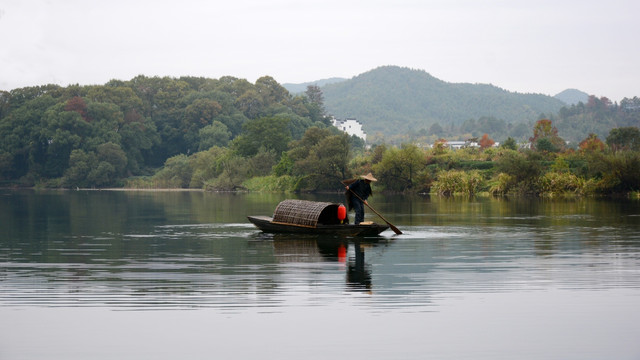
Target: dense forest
228	134
98	135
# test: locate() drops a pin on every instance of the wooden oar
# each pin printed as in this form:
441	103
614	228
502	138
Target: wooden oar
395	229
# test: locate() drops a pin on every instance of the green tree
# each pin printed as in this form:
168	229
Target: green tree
206	165
617	172
284	166
300	148
107	122
510	144
326	163
166	111
399	168
523	169
272	133
117	94
102	175
250	103
234	171
80	165
315	104
138	140
197	115
545	144
270	91
21	135
88	169
624	138
215	134
115	156
263	162
176	173
544	129
63	131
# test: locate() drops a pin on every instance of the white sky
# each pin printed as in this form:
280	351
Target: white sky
532	46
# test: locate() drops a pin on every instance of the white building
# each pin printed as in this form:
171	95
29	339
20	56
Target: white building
455	145
350	126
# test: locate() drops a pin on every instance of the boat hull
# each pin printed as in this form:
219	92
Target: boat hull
267	224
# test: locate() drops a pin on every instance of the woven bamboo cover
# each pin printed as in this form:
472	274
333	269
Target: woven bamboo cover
299	212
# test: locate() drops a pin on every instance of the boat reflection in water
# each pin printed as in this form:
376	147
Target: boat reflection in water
292	248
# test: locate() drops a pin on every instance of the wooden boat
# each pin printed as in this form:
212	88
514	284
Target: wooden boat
312	217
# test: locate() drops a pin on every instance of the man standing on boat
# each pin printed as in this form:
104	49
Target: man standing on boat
361	188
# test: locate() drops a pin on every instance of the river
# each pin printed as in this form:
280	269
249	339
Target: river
167	275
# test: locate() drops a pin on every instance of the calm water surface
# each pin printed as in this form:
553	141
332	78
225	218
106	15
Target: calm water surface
166	275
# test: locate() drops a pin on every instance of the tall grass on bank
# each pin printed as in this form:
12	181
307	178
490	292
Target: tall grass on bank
457	182
562	183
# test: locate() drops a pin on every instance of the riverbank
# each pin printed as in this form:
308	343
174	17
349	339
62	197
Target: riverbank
566	195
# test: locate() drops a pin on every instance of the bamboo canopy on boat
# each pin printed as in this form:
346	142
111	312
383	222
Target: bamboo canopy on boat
306	213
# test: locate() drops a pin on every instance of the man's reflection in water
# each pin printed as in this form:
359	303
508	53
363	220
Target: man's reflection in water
311	249
358	272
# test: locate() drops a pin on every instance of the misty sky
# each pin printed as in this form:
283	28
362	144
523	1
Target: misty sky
534	46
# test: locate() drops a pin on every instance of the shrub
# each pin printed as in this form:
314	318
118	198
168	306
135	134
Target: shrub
457	182
399	169
176	173
502	185
616	172
558	183
523	168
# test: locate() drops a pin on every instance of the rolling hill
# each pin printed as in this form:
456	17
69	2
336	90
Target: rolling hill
300	88
395	100
572	96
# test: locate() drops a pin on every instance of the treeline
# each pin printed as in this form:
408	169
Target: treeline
545	166
596	116
228	134
321	159
96	136
315	162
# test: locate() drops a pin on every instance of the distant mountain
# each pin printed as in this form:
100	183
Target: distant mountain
572	97
395	100
300	88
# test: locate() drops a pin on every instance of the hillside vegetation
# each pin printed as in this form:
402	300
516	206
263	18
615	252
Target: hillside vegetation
228	134
79	136
395	101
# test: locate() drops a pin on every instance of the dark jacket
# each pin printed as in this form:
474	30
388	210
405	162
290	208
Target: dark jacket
360	188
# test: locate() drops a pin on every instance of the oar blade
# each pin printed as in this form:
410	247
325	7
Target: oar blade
395	229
